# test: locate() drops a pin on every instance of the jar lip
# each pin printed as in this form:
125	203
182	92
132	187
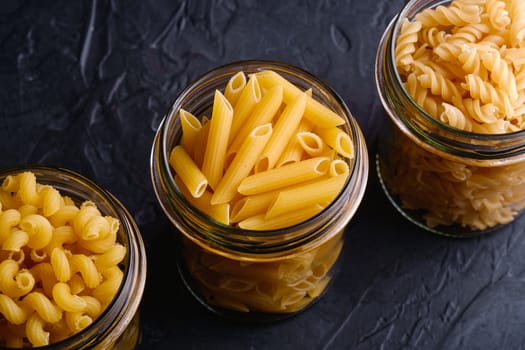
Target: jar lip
229	232
394	27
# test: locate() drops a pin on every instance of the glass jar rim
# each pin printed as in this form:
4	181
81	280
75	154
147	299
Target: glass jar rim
228	236
123	305
503	148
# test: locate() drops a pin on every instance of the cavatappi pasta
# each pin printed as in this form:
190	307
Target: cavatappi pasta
463	62
273	157
59	263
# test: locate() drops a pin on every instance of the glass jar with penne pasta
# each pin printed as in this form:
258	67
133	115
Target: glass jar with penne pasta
451	78
260	166
72	263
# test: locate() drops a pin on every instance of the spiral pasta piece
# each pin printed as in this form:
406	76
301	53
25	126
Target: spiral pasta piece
446	16
487	93
405	47
500	73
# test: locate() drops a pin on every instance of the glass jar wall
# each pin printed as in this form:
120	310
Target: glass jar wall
445	171
251	274
117	327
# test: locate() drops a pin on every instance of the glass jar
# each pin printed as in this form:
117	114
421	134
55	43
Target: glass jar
118	325
444	179
245	274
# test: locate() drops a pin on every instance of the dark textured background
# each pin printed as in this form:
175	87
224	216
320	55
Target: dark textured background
84	85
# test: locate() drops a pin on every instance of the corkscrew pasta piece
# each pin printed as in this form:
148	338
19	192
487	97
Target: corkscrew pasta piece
406	47
467	50
52	284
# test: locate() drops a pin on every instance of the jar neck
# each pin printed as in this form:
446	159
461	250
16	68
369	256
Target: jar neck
426	130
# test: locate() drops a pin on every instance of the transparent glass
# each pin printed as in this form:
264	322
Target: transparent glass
118	326
240	273
442	198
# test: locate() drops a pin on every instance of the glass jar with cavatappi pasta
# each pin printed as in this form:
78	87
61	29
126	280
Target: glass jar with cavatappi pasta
451	79
261	240
72	263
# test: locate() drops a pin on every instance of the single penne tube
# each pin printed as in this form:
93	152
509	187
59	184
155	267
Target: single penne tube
311	143
316	112
260	222
338	139
294	151
284	176
338	167
249	97
219	212
200	142
251	206
190	174
263	113
215	152
284	129
190	128
294	199
233	89
242	164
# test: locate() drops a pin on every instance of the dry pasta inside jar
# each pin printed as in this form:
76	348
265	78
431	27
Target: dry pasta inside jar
451	78
260	166
72	263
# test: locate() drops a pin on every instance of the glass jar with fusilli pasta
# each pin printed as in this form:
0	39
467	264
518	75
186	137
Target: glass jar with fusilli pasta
261	202
72	263
451	77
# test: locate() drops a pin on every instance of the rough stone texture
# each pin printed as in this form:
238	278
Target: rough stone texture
84	85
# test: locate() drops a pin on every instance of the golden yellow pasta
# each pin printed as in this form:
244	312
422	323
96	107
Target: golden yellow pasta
242	164
316	112
284	129
269	182
234	88
286	175
52	284
220	126
191	126
462	62
248	99
188	171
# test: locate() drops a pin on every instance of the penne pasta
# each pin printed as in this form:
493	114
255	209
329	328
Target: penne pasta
338	167
263	113
250	96
190	174
200	142
290	218
294	151
218	134
311	143
219	212
287	175
294	199
191	127
337	139
234	88
284	129
251	206
242	164
317	113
